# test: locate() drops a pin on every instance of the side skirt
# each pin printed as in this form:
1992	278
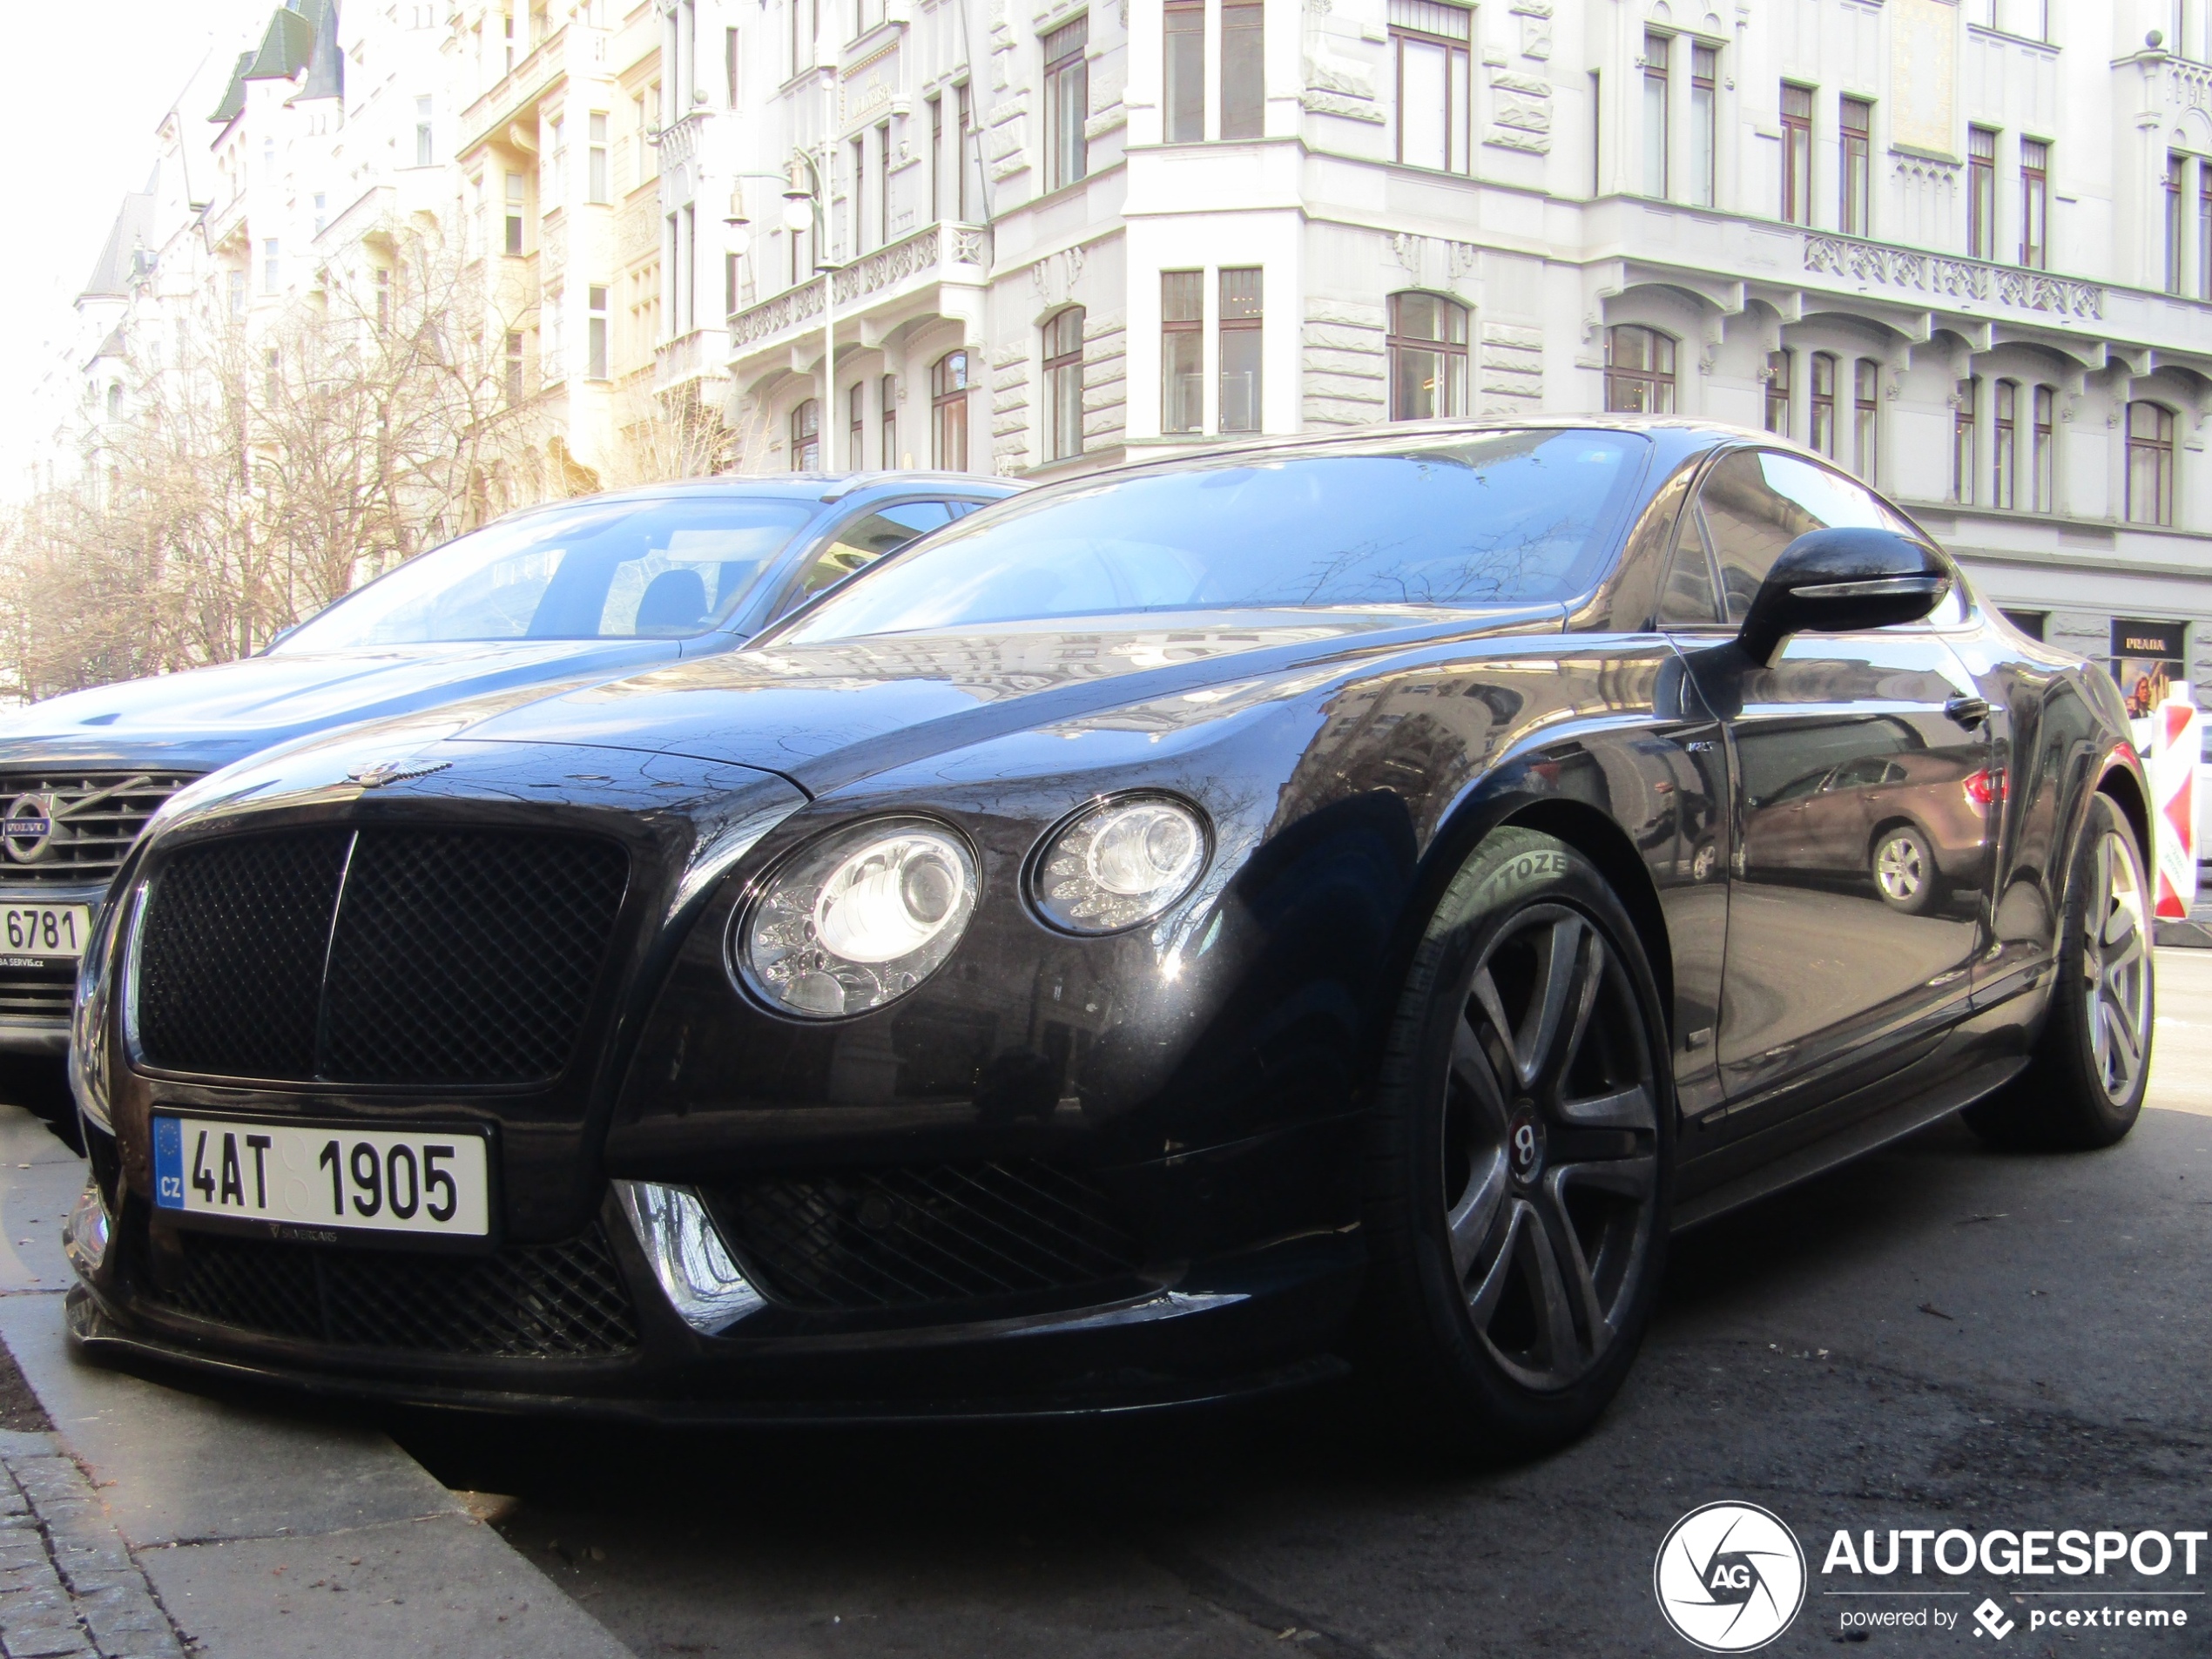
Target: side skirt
1853	1140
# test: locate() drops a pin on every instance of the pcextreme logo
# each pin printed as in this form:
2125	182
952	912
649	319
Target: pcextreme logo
1730	1577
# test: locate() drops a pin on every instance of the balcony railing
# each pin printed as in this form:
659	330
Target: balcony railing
943	252
1939	275
679	140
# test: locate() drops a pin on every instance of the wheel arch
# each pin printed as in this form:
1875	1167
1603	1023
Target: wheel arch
1598	839
2126	791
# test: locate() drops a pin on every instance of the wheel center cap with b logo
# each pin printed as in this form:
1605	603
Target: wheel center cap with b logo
1525	1143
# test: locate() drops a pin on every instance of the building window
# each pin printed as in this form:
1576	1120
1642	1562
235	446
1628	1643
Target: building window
237	293
1639	370
1242	81
856	424
2031	623
2176	172
1824	402
2040	458
1428	357
558	149
1239	349
806	437
595	183
1797	154
729	68
2203	232
1963	449
2005	485
1777	393
1183	300
1704	125
1655	115
948	403
1857	159
1981	192
1184	116
2035	204
1866	409
964	163
2150	464
383	297
595	367
1063	384
1430	44
886	419
860	194
1066	103
272	265
513	243
425	148
936	160
514	367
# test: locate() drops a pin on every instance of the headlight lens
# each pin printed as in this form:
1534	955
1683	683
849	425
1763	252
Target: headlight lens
858	919
1120	864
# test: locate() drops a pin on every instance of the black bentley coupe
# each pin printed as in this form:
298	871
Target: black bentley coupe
1331	903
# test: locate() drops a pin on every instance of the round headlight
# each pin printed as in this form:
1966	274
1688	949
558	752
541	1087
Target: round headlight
1119	864
858	919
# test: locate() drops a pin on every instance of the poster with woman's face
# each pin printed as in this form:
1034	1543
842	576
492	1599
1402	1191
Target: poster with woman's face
2145	660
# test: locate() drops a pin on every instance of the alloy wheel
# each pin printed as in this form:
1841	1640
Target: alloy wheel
1900	869
1550	1163
2115	930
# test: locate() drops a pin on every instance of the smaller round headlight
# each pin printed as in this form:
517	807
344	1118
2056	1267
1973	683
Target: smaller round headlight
858	919
1119	864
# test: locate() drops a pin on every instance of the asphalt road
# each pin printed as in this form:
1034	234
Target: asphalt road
1942	1336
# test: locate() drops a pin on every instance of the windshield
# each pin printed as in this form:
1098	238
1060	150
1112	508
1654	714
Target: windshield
597	570
1457	521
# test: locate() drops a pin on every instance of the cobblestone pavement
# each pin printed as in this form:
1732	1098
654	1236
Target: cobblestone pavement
68	1587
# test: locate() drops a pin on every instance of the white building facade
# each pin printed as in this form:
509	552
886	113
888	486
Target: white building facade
1964	249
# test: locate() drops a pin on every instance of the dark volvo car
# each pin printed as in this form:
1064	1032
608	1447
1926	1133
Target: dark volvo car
595	587
1179	932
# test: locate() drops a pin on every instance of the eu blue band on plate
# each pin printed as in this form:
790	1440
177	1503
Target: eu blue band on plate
168	1163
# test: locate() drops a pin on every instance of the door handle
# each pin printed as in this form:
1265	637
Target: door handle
1969	711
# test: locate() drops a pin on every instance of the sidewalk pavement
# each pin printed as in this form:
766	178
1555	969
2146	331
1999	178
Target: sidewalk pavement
167	1522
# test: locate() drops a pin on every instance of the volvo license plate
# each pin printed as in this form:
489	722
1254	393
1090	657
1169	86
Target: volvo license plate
309	1181
45	931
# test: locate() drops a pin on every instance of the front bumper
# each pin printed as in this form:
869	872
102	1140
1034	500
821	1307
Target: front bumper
1259	1322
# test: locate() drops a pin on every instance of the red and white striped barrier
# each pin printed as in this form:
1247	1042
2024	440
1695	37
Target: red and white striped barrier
2176	742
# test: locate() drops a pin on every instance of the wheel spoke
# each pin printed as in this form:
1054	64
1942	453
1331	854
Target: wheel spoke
1530	1043
1564	1287
1482	1302
1589	980
2126	1046
1629	1107
1475	1217
1471	1068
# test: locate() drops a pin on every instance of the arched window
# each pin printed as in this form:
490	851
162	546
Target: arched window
807	436
1639	370
114	399
2005	485
1428	357
948	404
1865	412
1063	384
2150	464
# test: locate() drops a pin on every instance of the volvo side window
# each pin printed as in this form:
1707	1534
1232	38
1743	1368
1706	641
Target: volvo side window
861	541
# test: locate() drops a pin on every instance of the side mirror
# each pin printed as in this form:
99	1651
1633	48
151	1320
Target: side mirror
1839	581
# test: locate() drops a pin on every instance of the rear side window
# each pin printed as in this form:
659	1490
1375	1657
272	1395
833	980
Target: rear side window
861	541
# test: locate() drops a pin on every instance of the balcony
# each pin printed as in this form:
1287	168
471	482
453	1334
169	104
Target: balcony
688	357
877	288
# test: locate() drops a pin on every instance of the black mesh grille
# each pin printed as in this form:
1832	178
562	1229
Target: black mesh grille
466	957
98	815
564	1301
230	961
910	1236
458	957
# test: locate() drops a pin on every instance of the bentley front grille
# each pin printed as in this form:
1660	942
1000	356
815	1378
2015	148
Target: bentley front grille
411	956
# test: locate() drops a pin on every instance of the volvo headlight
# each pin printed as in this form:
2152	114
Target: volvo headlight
858	919
1119	864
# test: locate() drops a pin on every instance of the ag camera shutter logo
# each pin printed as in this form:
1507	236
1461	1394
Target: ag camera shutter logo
1730	1577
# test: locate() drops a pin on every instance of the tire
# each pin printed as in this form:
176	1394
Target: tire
1904	870
1521	1158
2084	1086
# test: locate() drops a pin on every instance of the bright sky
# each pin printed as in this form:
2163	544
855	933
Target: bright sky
83	85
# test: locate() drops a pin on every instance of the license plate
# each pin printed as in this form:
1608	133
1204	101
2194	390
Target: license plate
313	1181
46	932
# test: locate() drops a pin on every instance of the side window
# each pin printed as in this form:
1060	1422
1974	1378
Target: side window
1756	502
861	541
1688	601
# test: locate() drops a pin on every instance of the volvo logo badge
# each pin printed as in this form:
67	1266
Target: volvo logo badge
393	772
28	831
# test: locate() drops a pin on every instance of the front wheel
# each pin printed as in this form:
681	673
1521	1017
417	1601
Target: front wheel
2084	1088
1521	1165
